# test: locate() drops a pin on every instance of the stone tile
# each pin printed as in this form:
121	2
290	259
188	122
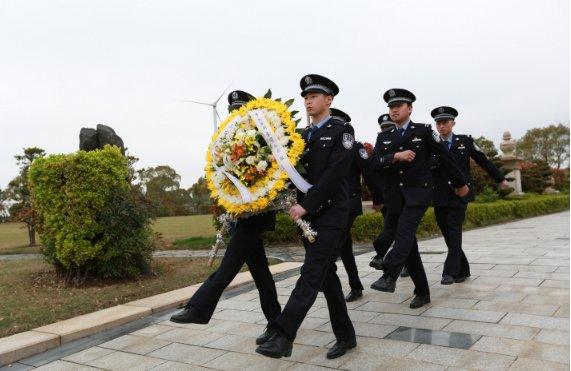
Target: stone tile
492	329
465	314
411	321
135	344
239	361
523	348
189	336
237	304
355	315
552	262
546	300
178	366
152	331
368	361
91	323
365	329
384	297
234	343
461	358
239	316
555	283
378	307
535	321
25	344
544	275
455	303
313	337
88	355
562	312
64	366
312	323
509	281
316	356
125	361
528	364
385	347
187	354
553	337
512	297
524	268
540	310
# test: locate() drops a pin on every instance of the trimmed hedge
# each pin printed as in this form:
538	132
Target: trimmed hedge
367	226
90	219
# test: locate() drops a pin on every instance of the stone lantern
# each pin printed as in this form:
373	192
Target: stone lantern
511	163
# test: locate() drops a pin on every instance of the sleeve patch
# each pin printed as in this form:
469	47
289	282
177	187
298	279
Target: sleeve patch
363	153
435	136
348	141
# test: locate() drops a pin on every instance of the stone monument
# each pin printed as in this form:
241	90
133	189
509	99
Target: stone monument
512	164
91	139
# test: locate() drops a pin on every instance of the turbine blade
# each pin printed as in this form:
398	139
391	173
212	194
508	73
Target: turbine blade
194	101
225	90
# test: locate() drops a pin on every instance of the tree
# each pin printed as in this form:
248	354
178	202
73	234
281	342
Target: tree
161	185
549	144
535	176
18	192
487	146
200	202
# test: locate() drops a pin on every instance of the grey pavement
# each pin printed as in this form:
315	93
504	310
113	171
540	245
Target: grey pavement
513	313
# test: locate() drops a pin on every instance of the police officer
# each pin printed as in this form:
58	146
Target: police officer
359	166
245	245
449	209
381	246
403	156
327	159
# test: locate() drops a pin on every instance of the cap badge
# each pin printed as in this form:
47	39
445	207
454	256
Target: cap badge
308	80
391	93
441	110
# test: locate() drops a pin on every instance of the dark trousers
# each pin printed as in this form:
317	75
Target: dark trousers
405	252
386	238
318	273
245	245
450	219
349	259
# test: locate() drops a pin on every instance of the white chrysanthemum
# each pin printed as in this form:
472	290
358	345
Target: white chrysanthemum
250	160
262	165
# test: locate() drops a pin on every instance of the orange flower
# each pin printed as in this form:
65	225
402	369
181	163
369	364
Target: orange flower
237	152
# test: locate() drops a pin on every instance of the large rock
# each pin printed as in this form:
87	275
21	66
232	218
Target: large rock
88	139
92	139
107	136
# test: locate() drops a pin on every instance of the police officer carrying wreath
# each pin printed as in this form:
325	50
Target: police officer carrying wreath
327	159
360	166
403	157
245	245
449	209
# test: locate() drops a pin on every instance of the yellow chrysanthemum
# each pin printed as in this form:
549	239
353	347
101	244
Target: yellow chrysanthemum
274	180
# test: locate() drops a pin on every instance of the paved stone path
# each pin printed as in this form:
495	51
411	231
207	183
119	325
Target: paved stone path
516	303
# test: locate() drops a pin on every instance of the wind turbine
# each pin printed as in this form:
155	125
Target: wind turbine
215	115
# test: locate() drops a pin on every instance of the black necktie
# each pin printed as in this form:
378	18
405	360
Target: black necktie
401	131
447	143
311	132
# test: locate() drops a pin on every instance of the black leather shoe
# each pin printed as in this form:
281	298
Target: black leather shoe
340	348
277	346
268	333
461	279
377	263
404	273
189	315
419	301
353	295
385	283
447	280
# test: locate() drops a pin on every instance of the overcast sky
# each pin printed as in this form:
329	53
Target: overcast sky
65	65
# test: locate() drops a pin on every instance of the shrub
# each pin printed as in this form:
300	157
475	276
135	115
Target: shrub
367	226
92	221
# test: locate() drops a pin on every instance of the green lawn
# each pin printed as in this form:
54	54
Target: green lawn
32	295
14	237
